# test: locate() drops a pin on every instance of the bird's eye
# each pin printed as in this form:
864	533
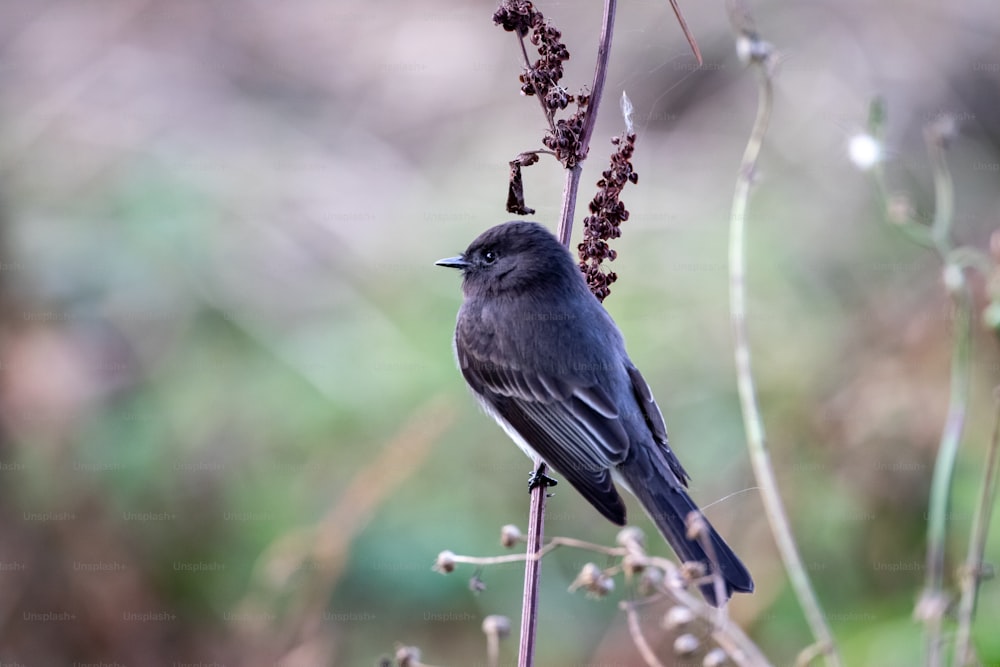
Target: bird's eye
489	257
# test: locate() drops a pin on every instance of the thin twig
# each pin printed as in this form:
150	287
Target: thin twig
532	572
687	32
553	544
638	638
697	524
549	115
973	571
760	54
725	633
808	654
934	600
572	186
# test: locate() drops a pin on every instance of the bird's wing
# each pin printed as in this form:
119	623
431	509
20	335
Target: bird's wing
654	420
572	424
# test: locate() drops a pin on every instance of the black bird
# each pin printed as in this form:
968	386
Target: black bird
546	361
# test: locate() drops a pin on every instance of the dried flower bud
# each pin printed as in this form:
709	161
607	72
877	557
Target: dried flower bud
650	581
686	645
677	617
587	577
607	214
515	16
715	658
496	625
445	563
750	48
510	535
594	581
693	570
407	656
634	563
631	537
696	525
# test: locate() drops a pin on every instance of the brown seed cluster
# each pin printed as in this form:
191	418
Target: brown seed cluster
515	16
607	212
565	140
542	77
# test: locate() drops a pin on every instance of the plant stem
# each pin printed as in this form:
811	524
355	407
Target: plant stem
977	545
753	422
934	601
570	189
527	65
532	572
638	638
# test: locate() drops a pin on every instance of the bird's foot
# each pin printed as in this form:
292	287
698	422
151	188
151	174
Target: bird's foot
538	478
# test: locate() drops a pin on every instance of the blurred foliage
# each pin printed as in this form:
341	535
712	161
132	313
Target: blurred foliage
217	228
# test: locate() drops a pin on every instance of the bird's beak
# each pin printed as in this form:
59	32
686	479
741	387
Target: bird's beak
453	262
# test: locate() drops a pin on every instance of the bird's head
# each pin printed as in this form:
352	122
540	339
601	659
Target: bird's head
515	255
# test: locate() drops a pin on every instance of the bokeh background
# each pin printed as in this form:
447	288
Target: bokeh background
231	428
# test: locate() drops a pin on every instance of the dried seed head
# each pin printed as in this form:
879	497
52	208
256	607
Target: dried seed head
497	626
594	581
407	656
697	527
650	581
693	570
515	16
634	564
445	563
715	658
686	645
510	535
476	585
632	538
677	617
607	214
589	574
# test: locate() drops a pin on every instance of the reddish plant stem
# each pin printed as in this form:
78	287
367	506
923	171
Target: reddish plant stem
565	231
532	572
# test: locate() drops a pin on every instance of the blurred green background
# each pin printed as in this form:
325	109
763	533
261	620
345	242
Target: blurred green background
231	427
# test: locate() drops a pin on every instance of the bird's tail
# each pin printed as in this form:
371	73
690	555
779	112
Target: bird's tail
668	505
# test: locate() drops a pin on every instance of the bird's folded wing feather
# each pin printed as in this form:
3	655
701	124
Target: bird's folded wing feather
654	420
571	423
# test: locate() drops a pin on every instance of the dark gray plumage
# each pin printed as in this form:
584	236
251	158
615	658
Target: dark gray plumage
549	364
